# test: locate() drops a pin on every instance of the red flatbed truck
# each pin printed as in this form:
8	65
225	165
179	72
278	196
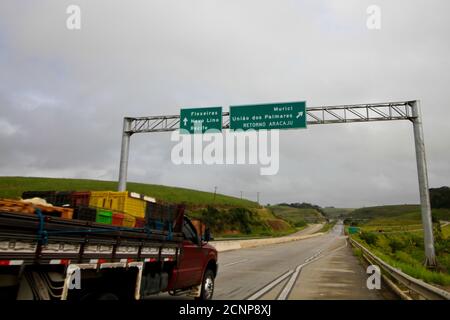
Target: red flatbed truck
51	258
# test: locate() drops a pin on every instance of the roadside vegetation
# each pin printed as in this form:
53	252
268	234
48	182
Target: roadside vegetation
405	251
446	231
239	222
395	234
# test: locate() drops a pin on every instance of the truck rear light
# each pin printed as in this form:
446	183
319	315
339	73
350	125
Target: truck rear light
60	261
11	262
98	261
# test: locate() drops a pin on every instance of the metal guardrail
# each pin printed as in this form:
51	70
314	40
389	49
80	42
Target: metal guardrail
419	287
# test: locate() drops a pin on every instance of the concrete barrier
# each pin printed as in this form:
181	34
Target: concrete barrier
241	244
226	245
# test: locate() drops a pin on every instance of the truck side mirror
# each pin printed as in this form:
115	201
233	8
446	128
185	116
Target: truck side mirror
207	235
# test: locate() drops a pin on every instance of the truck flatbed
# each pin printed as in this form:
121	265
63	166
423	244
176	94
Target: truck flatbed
34	239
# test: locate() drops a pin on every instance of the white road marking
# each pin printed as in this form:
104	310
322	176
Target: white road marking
270	286
233	263
294	275
288	287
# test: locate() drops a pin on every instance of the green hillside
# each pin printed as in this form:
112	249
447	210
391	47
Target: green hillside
333	213
12	187
297	216
392	215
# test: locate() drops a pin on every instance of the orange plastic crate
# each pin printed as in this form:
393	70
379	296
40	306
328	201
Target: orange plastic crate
117	219
128	221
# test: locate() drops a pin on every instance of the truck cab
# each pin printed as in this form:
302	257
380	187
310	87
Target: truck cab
197	265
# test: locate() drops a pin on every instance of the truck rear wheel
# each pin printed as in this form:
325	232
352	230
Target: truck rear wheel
93	296
107	296
207	286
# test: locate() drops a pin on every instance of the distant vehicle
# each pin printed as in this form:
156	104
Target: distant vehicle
45	257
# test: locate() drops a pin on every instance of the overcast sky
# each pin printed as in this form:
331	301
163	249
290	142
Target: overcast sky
63	93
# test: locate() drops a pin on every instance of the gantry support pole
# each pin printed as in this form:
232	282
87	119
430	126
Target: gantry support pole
124	155
430	255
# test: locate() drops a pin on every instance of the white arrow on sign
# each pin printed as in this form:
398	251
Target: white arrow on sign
300	114
185	120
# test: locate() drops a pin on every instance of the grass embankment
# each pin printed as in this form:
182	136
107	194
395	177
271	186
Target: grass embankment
239	217
394	233
239	222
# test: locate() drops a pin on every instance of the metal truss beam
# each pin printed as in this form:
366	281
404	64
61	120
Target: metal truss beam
315	115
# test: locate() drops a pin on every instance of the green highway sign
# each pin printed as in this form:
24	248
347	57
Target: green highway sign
268	116
199	120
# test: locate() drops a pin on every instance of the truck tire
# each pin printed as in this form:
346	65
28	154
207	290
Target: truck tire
94	296
207	286
107	296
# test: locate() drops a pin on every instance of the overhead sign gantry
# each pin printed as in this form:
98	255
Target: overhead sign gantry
370	112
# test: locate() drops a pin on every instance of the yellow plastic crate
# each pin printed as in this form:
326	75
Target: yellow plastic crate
122	201
99	199
128	202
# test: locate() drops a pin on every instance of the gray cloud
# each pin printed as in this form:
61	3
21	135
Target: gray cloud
63	93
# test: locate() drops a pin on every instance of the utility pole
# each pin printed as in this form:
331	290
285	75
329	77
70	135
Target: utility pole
215	190
430	255
257	197
241	195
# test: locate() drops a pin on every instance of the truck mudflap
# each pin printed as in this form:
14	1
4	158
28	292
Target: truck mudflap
72	280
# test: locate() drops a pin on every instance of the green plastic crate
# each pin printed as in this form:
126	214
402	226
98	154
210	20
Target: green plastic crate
104	216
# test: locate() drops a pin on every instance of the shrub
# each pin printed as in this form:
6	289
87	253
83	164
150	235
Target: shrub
242	219
369	237
300	224
396	244
213	218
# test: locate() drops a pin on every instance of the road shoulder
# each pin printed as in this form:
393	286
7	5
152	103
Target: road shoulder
337	275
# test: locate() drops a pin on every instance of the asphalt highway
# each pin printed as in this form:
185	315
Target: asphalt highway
254	272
